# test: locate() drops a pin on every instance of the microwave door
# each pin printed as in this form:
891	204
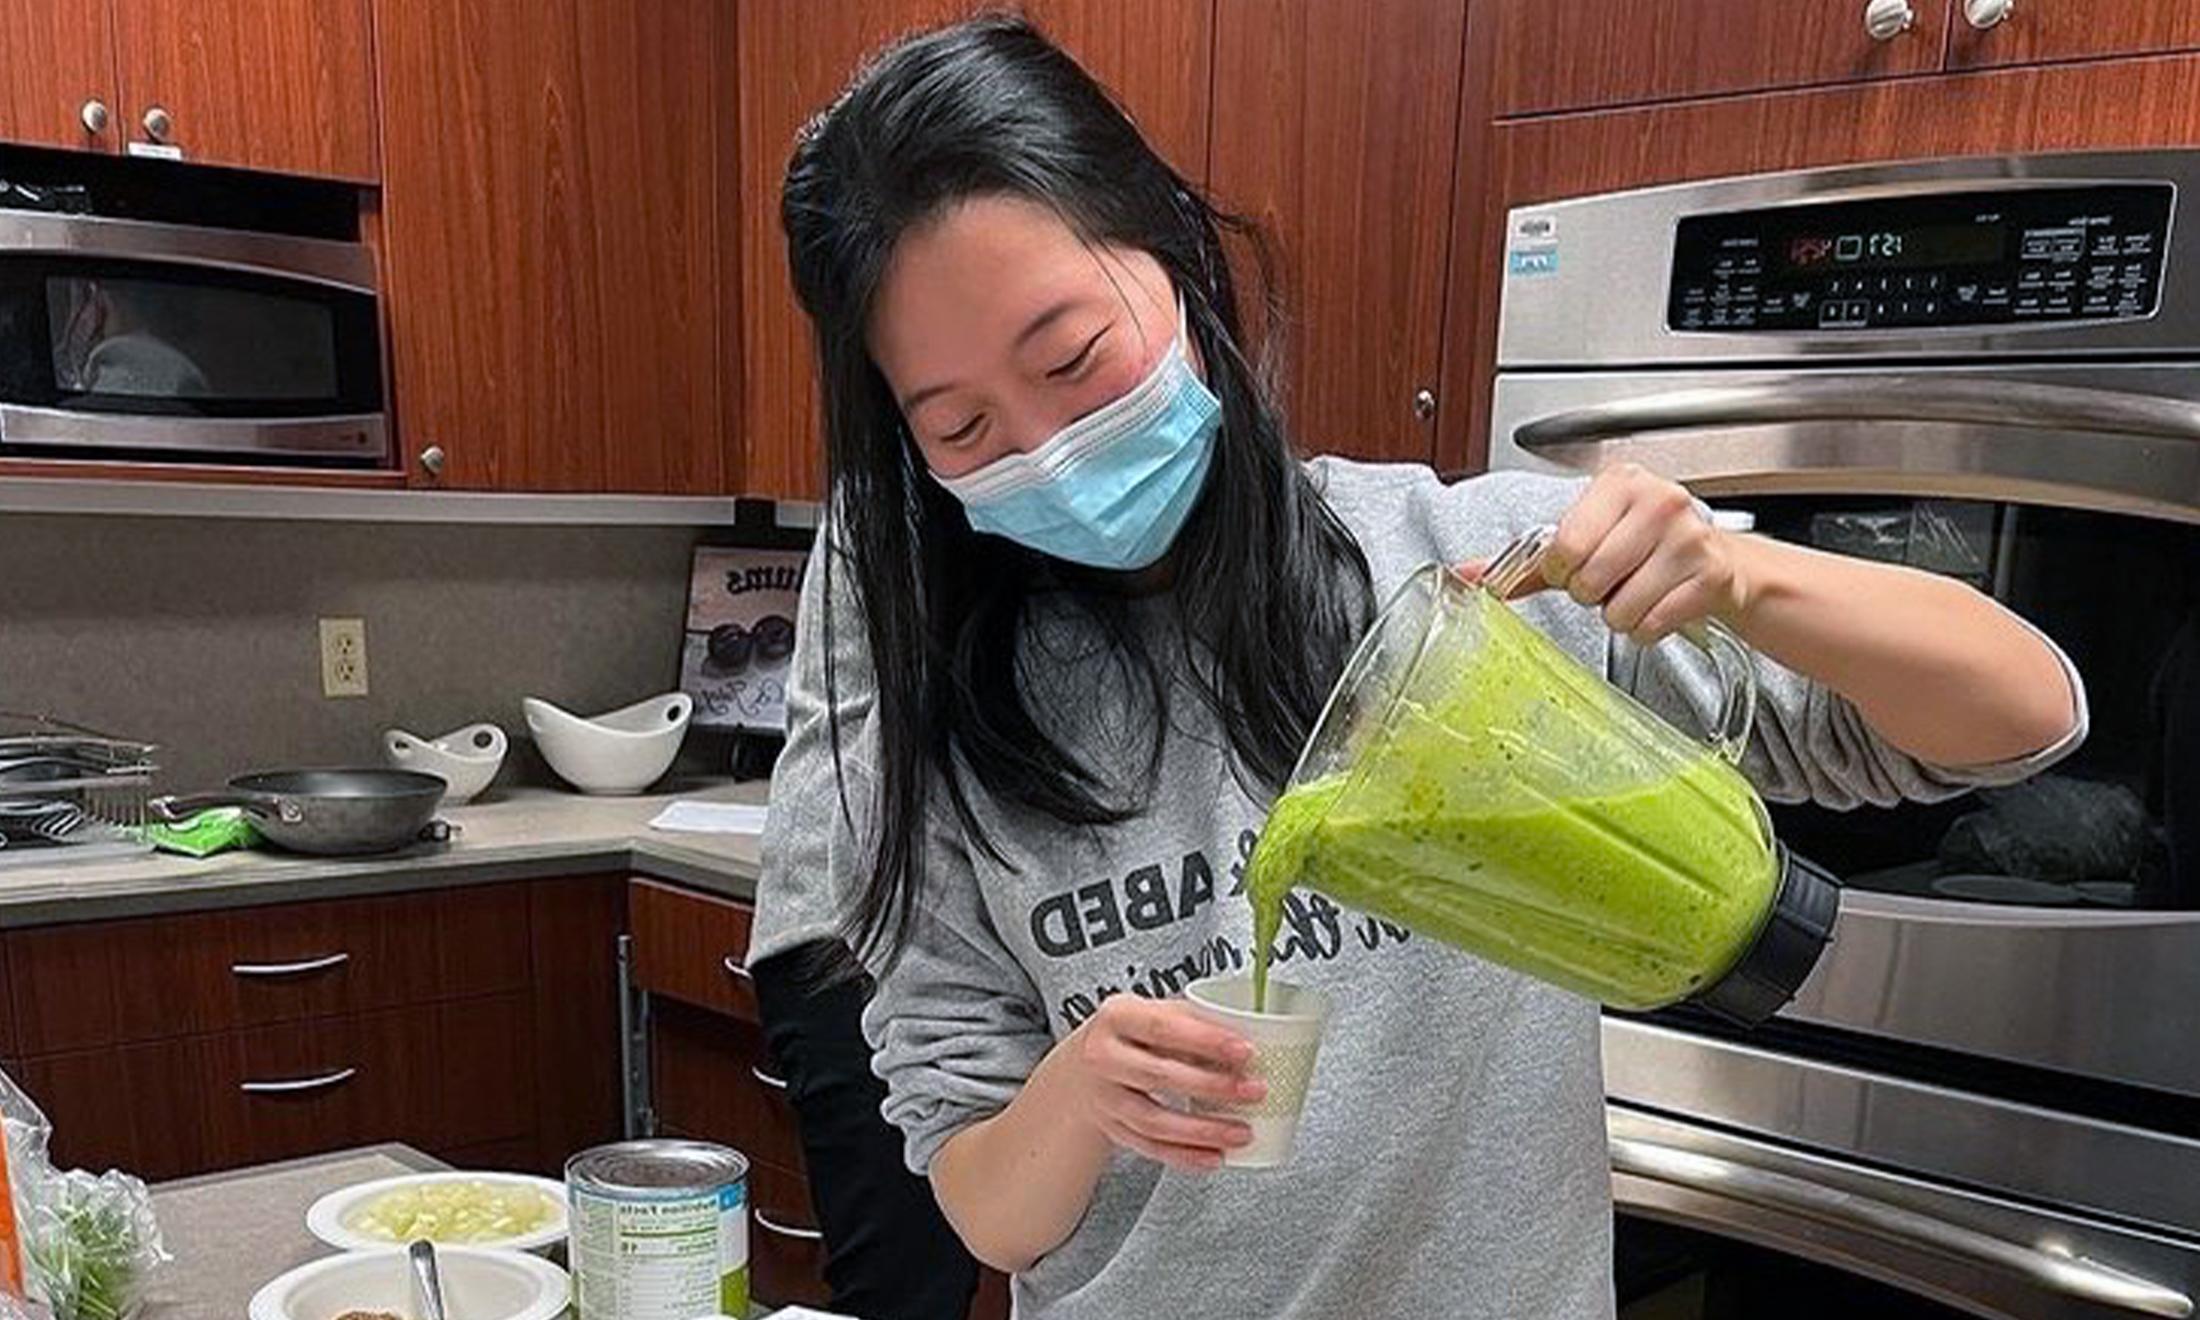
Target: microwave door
167	358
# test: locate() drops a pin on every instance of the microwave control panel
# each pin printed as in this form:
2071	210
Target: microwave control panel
2016	256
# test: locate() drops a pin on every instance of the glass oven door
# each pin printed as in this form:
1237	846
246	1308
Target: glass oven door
125	338
2054	925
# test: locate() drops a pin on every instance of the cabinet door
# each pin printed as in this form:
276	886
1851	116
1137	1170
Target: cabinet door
575	924
2037	31
60	58
1576	54
794	56
2065	107
285	86
1335	129
550	205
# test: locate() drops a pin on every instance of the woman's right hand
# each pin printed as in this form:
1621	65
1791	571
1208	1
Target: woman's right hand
1133	1049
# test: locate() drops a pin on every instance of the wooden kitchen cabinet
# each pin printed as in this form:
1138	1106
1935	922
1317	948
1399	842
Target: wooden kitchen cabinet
574	926
2104	105
479	1023
1582	54
1347	163
59	58
443	1077
2037	31
285	86
795	55
556	206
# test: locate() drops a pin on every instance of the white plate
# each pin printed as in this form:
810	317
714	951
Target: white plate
326	1219
478	1284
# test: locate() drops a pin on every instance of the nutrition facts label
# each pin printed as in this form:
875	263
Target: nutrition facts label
662	1258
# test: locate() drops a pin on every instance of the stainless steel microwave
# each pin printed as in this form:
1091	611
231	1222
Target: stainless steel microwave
124	339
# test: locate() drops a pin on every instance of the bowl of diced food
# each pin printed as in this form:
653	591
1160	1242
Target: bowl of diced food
517	1211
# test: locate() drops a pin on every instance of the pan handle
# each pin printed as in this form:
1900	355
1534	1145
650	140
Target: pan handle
174	809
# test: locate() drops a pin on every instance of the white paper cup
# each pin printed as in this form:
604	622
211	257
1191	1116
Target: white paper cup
1285	1040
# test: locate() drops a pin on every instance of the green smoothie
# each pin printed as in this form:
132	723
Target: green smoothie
1518	813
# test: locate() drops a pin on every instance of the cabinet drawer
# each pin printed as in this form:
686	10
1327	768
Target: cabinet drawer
692	947
786	1250
441	1076
156	978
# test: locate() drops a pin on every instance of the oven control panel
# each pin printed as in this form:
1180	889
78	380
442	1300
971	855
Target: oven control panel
2016	256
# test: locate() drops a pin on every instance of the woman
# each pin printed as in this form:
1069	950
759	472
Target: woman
1097	605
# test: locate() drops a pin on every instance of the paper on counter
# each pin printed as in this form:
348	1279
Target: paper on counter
711	818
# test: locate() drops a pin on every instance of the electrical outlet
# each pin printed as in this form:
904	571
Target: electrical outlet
343	657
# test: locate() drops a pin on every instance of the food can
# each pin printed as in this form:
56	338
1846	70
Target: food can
660	1230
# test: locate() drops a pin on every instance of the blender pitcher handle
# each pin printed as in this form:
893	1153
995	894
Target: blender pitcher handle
1737	666
1734	660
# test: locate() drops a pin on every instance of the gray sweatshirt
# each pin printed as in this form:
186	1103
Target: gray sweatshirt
1451	1160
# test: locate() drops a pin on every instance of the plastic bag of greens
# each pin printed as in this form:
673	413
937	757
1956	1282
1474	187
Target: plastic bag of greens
81	1243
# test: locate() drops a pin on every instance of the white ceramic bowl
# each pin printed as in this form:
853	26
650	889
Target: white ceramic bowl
623	751
327	1217
466	759
478	1284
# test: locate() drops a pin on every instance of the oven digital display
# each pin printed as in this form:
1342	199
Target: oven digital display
2014	256
1895	249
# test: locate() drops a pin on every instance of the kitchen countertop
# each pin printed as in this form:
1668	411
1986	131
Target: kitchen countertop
511	834
232	1232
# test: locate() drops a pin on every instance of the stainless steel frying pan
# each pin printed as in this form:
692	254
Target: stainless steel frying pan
332	812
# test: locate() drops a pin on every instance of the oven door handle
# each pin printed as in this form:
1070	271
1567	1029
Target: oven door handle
2063	1273
1872	398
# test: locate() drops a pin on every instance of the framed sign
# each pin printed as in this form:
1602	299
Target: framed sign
740	636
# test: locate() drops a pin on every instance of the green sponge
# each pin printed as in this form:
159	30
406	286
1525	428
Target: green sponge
205	834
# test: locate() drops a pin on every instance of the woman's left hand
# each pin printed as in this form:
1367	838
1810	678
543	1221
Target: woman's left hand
1635	545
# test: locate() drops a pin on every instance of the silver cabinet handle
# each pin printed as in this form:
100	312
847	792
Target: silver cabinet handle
1424	404
738	970
93	116
775	1083
431	460
290	968
770	1225
296	1085
1876	399
159	124
2067	1275
1887	19
1983	14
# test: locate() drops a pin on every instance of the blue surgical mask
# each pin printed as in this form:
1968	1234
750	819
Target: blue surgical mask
1113	488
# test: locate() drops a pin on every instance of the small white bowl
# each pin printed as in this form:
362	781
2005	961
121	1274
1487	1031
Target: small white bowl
466	759
327	1218
478	1284
622	751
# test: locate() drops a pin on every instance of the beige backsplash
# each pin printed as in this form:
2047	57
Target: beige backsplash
201	634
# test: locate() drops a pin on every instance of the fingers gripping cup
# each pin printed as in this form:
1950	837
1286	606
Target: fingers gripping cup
1285	1039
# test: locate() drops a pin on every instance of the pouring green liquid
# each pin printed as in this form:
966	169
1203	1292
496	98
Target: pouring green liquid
1515	813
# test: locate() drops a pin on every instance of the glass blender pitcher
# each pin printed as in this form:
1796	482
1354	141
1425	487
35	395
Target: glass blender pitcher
1472	782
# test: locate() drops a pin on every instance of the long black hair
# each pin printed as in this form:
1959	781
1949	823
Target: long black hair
1269	588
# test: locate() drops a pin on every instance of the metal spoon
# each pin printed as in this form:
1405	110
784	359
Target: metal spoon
427	1283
